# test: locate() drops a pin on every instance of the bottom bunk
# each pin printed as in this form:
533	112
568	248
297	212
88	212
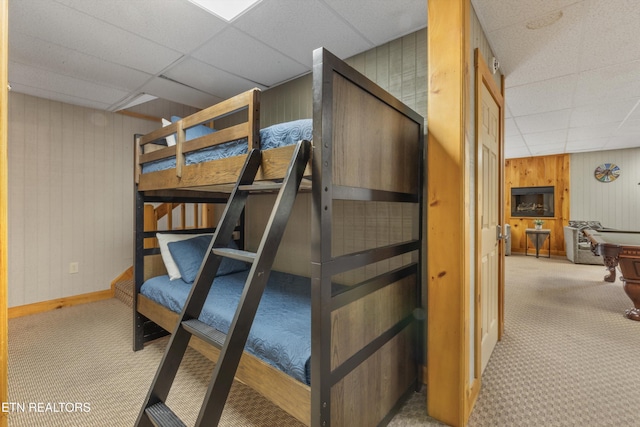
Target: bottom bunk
281	334
277	358
290	394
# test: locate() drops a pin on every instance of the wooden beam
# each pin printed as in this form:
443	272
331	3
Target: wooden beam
448	192
4	207
140	116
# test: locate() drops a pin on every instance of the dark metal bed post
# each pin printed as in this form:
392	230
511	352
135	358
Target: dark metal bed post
325	188
321	242
138	259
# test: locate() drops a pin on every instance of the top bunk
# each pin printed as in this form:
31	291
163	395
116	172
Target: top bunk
370	140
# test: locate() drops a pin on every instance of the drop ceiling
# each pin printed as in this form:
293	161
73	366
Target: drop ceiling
104	53
572	67
572	73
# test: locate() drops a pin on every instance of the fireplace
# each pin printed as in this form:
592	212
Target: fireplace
532	201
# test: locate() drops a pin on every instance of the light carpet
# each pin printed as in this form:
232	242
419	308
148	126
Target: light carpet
567	358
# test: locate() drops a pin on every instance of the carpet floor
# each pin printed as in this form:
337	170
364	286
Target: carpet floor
563	361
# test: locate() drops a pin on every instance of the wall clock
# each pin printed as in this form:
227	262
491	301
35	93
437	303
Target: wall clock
607	172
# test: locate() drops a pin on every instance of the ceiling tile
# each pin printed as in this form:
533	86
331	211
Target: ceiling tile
166	89
45	84
547	150
617	142
631	126
296	28
25	49
552	120
264	66
586	144
401	17
45	19
209	79
558	137
592	132
156	21
530	55
607	84
634	116
595	114
515	141
510	128
495	13
539	97
516	152
612	34
59	97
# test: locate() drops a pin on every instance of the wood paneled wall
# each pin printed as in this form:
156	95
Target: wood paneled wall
536	172
70	198
615	204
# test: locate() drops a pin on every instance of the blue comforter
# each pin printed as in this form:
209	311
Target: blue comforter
278	135
281	331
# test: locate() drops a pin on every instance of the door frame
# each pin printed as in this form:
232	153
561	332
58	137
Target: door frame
484	77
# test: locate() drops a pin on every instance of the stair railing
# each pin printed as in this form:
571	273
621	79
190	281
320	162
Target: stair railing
203	217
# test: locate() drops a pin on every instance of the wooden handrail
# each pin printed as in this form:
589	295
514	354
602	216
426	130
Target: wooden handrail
203	217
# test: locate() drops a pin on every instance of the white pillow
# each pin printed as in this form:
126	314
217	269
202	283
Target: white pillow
164	239
171	139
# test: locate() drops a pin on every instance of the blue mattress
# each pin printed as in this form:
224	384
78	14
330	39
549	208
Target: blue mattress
278	135
281	331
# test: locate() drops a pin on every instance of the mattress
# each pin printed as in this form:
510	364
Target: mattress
281	331
278	135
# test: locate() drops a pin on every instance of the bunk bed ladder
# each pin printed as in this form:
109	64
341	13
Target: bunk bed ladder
155	412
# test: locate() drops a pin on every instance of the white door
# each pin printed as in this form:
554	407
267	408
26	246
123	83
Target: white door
489	200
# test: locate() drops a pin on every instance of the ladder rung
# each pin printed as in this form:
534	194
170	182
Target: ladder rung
161	416
264	187
235	254
205	332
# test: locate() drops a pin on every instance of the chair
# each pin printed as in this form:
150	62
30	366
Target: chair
577	247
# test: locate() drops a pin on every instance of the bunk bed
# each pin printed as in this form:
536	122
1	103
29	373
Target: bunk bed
361	343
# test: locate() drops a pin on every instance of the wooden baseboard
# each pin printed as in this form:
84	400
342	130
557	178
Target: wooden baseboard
41	307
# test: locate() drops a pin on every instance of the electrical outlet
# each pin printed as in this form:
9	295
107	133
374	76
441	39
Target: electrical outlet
73	267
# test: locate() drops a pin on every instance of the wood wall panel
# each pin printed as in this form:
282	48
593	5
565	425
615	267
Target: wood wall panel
615	204
399	67
394	366
371	156
287	102
447	213
536	172
70	198
357	324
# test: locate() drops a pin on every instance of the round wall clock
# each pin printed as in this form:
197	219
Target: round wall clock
607	172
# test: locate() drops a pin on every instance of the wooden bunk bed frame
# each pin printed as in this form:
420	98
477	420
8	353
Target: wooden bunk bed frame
367	343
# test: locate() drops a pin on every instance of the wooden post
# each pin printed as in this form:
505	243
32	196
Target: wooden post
448	237
150	224
4	226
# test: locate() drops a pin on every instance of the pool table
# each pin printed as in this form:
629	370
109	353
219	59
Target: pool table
620	249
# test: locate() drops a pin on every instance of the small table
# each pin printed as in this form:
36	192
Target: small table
538	237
